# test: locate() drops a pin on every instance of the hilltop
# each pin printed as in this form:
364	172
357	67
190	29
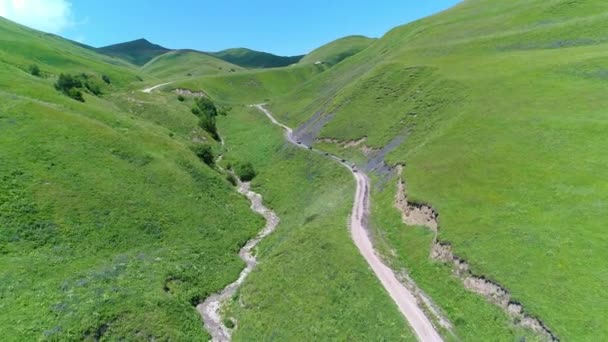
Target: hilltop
338	50
138	52
255	59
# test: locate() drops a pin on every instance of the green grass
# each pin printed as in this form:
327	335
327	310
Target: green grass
185	63
338	50
251	59
252	86
311	282
110	227
504	104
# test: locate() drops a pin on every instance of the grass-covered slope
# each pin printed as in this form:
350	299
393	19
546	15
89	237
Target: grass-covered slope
311	283
338	50
22	47
252	59
253	86
503	106
138	52
187	63
110	227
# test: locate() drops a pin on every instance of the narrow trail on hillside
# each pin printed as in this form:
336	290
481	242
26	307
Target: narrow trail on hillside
149	90
401	295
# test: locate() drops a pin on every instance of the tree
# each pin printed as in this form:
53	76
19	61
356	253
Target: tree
106	79
181	98
34	70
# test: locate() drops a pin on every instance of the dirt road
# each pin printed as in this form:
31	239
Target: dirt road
149	90
401	295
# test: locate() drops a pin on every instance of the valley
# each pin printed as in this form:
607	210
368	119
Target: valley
443	182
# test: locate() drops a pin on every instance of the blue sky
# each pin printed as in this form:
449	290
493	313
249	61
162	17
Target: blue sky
280	27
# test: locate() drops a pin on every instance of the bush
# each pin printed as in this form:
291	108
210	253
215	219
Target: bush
75	94
229	323
181	98
106	79
208	124
67	82
93	87
206	106
34	70
207	112
204	153
230	178
245	172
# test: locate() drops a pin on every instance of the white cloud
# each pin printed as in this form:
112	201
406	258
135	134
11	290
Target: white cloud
52	16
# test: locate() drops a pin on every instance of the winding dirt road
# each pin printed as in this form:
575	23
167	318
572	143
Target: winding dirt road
149	90
401	295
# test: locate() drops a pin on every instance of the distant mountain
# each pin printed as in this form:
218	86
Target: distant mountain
255	59
338	50
138	52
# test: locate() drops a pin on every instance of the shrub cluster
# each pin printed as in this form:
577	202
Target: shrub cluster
205	153
72	85
207	113
34	70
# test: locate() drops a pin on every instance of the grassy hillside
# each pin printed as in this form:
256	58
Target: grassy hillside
110	227
22	47
253	86
138	52
251	59
187	63
502	103
338	50
323	289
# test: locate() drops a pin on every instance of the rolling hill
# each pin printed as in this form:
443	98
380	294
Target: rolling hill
338	50
110	226
188	63
252	59
500	108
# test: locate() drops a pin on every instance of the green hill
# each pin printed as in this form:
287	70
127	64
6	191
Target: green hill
338	50
502	106
255	59
502	103
138	52
110	226
183	63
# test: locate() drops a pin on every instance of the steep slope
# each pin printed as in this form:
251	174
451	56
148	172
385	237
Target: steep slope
23	47
501	105
110	227
188	63
252	59
138	52
338	50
